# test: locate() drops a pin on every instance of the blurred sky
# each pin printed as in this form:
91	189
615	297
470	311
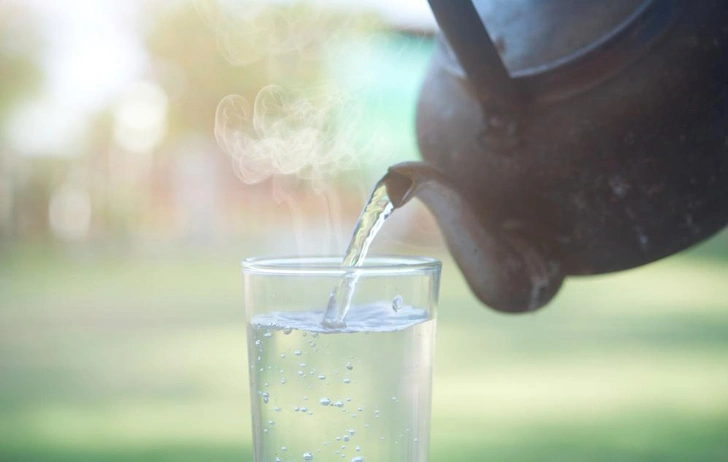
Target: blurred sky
94	52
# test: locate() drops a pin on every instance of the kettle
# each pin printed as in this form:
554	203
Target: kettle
570	137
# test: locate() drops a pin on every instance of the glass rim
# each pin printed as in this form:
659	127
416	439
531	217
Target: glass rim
381	265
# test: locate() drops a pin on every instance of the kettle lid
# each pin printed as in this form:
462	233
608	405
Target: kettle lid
531	34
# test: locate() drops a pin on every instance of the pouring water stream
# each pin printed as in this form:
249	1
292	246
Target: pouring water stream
376	211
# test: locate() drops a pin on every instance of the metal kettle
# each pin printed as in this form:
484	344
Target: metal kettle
570	137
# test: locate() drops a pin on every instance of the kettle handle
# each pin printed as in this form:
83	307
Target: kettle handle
468	38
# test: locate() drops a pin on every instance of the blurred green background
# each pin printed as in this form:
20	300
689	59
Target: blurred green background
122	223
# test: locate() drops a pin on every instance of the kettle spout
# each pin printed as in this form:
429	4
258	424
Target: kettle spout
504	268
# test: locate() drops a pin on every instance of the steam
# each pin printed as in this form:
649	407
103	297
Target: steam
300	139
284	192
248	31
284	132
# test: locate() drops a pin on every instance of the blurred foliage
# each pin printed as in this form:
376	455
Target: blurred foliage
186	63
198	54
190	51
20	77
20	50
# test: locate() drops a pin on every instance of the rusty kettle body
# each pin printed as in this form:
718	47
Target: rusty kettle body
571	137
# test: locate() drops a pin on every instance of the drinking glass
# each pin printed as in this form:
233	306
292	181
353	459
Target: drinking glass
359	392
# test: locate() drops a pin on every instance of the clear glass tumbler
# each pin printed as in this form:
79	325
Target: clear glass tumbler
361	392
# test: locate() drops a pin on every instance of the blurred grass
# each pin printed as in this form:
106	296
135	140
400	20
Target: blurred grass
134	359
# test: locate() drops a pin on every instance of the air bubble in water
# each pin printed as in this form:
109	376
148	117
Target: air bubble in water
349	366
265	396
347	380
325	401
283	381
322	377
357	449
297	352
304	409
351	431
267	335
397	303
287	330
347	437
258	342
357	459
